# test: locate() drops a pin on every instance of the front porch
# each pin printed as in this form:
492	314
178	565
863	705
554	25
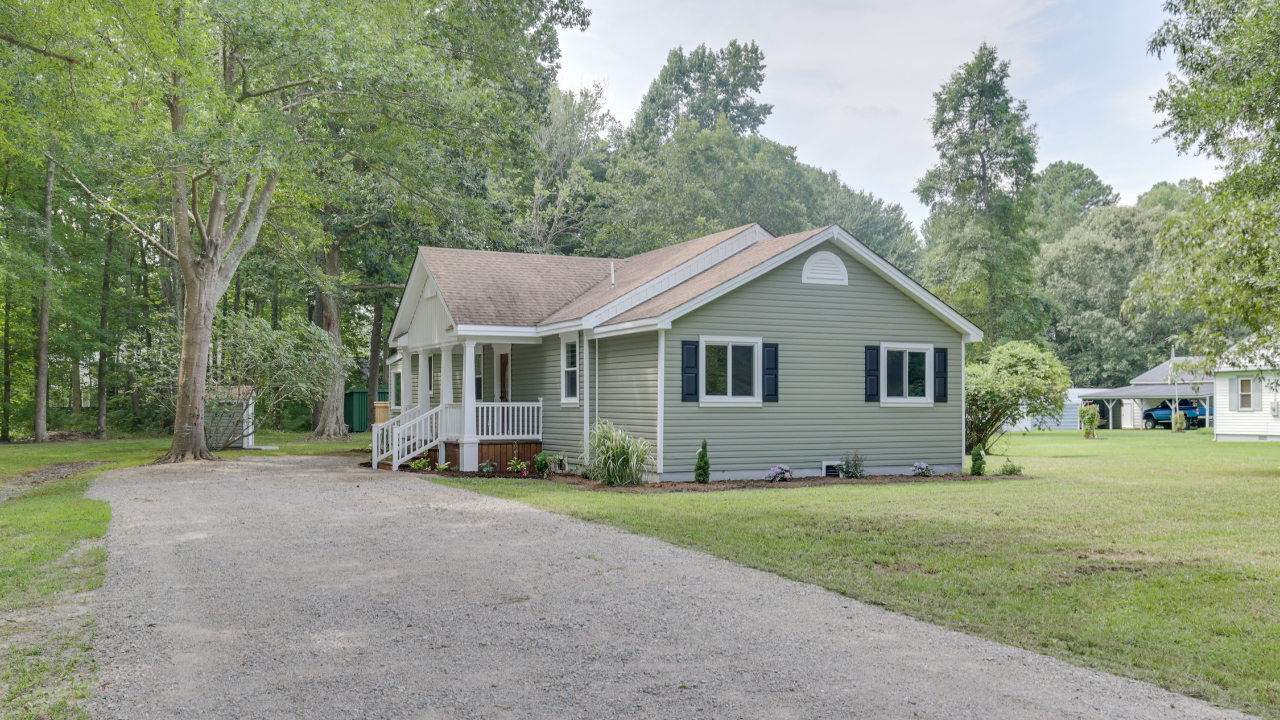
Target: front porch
445	407
468	434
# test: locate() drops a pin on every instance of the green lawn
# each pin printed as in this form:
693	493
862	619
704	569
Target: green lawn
42	561
1147	554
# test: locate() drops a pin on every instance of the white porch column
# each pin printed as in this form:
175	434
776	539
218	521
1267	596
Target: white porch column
407	379
446	375
469	447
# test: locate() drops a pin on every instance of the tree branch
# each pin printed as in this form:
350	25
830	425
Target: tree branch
145	235
39	51
383	286
347	235
194	212
245	94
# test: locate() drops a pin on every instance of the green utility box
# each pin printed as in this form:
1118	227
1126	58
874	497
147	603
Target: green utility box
355	411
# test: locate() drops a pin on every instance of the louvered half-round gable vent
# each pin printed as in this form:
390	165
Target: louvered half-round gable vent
825	268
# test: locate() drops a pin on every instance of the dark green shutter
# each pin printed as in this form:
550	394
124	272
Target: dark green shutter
940	375
771	372
871	376
689	371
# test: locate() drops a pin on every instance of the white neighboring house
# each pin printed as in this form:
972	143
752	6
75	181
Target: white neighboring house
1248	404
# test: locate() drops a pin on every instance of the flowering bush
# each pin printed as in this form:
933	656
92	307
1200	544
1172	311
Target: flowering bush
922	470
778	473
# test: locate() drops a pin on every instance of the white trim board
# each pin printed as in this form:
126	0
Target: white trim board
673	277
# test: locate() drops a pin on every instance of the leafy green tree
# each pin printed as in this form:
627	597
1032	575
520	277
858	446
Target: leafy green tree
1179	197
700	87
980	256
1088	275
1065	192
1221	260
705	181
1016	380
236	106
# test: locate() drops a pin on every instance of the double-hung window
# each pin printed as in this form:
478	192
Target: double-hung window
1246	393
907	374
731	374
568	372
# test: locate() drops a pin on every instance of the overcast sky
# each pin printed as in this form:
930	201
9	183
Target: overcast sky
852	82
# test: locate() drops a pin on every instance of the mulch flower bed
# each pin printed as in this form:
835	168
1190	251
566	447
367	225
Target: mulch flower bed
582	483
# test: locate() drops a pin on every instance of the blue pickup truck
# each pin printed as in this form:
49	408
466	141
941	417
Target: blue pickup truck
1162	416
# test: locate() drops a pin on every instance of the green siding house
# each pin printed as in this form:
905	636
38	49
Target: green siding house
789	350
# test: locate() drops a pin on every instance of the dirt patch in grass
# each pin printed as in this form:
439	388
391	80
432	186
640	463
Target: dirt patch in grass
43	476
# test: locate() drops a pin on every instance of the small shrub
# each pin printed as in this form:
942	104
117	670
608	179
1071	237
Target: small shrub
702	468
1089	419
853	465
779	473
542	463
443	467
1179	421
1010	467
922	470
978	461
420	464
488	466
616	458
518	465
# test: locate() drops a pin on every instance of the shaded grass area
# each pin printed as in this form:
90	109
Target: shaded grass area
50	553
1147	554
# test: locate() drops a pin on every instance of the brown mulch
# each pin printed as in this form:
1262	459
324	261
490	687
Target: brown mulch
58	471
716	486
582	483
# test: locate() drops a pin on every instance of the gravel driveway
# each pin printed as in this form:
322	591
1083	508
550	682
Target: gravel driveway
313	588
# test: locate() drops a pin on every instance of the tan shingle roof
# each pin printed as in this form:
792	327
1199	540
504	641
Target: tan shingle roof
632	272
482	287
714	276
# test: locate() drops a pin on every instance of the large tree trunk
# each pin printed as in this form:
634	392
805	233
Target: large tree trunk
77	392
7	397
42	341
330	424
375	359
102	350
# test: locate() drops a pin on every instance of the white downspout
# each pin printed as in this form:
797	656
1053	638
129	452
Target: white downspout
662	388
585	363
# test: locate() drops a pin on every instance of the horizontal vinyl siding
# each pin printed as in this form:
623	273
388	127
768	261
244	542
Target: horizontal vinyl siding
627	383
1253	423
535	373
821	414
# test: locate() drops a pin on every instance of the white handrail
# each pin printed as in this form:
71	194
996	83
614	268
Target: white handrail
415	436
383	433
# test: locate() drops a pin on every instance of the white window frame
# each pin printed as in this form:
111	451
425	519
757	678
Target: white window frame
1240	395
885	400
565	341
479	375
397	383
705	400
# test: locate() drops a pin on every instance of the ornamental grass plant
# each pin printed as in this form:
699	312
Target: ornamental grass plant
615	457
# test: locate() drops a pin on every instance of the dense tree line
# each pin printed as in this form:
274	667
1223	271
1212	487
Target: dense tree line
170	167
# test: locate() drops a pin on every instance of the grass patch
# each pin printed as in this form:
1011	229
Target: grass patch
1148	554
50	552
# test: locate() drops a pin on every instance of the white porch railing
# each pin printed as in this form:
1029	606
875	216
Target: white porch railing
383	434
509	421
415	436
416	430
